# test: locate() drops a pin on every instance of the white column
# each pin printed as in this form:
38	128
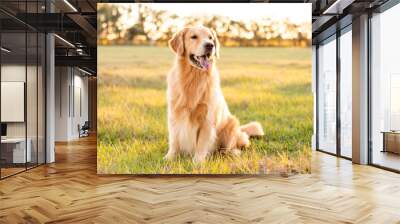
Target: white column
50	99
360	90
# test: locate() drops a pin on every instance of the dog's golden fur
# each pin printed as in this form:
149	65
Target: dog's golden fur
199	121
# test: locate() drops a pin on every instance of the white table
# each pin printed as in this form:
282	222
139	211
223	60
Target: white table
19	155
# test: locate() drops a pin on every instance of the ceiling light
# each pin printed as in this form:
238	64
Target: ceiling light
65	41
70	5
80	51
5	50
338	6
84	71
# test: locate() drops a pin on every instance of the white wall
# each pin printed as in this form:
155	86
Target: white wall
62	82
33	126
80	89
13	101
12	73
70	83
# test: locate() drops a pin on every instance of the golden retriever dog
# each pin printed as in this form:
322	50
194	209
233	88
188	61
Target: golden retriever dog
199	121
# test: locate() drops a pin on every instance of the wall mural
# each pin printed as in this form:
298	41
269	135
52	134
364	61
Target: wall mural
204	88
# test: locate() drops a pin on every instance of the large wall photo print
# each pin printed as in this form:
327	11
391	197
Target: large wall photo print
204	88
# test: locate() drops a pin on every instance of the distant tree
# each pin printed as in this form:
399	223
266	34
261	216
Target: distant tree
212	22
170	30
137	28
157	27
291	30
108	18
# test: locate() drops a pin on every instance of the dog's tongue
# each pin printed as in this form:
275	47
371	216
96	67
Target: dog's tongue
205	63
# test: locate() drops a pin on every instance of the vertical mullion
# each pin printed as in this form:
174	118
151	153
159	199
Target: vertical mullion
369	89
338	73
60	86
69	92
317	97
0	97
26	86
46	3
45	95
37	90
73	92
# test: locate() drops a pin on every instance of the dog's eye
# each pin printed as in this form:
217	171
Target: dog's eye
194	37
210	37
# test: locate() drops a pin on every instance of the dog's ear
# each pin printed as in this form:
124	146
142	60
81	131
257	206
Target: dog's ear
177	42
216	43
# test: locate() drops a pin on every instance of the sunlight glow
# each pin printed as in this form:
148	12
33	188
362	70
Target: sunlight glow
295	12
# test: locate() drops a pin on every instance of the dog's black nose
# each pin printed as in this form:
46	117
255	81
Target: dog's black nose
209	46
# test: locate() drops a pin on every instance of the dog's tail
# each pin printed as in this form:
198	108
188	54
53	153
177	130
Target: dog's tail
252	129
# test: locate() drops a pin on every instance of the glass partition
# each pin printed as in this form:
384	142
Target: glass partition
13	94
22	89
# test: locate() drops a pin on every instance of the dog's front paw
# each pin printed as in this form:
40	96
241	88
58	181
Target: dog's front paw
199	158
169	156
243	140
236	152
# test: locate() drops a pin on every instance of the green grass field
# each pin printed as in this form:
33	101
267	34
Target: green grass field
269	85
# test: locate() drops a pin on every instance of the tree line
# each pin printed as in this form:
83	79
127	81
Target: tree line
155	27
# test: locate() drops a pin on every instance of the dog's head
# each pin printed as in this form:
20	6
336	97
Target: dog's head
199	45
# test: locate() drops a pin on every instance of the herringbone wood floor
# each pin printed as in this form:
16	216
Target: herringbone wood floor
69	191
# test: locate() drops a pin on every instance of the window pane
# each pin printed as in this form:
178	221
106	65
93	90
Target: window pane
346	94
386	89
327	97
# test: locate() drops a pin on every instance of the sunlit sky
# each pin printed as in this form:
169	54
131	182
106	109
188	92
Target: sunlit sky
295	12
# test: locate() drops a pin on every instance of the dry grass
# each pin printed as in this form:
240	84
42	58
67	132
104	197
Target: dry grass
270	85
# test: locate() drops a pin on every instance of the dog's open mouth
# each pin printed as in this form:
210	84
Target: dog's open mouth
203	62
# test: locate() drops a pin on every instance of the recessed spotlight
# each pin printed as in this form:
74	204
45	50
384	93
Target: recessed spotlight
5	50
64	40
70	5
84	71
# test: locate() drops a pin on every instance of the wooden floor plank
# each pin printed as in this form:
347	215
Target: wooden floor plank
70	191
